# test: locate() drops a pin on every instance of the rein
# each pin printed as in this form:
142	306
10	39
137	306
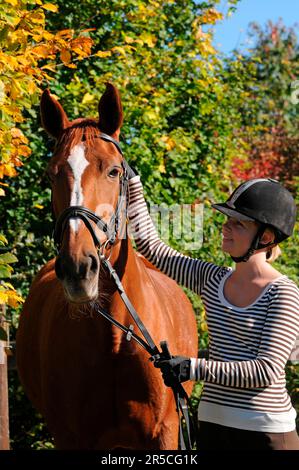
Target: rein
111	231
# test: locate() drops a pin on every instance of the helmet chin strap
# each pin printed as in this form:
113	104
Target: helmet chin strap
255	245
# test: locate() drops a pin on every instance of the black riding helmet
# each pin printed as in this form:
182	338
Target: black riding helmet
265	201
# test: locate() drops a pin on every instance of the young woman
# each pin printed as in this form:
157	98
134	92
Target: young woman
252	316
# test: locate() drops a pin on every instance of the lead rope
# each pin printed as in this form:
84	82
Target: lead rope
181	398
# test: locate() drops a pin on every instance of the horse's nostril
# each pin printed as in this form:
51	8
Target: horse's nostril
94	263
76	269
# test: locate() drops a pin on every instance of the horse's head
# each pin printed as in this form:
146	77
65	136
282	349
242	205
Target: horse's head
87	178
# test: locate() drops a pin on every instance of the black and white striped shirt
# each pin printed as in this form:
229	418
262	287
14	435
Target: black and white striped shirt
244	378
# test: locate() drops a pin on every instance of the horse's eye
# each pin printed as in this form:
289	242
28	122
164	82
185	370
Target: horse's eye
114	173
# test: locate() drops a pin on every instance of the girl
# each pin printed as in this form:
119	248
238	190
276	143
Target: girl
252	318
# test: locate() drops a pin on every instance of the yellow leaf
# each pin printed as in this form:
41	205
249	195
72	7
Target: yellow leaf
49	67
41	51
50	7
24	150
150	115
129	40
3	298
48	36
9	170
13	299
162	168
31	88
65	56
211	16
103	53
66	33
15	89
16	133
2	92
2	192
119	49
37	17
7	285
38	206
12	2
169	142
87	98
148	39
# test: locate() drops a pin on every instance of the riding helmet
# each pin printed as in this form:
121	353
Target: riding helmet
266	201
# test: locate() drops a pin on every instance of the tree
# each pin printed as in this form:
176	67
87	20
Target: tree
28	51
274	147
179	116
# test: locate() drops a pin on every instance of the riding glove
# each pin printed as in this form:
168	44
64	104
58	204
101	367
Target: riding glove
174	370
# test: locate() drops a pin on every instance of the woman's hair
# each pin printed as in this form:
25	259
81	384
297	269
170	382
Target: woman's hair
273	253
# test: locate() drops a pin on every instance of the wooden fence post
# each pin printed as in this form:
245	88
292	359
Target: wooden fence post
4	420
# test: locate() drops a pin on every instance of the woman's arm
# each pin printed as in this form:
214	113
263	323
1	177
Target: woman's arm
190	272
279	334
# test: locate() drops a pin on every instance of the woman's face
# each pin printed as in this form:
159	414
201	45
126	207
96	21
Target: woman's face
237	236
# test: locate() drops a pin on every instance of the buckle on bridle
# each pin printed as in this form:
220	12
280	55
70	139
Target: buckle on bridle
108	244
129	333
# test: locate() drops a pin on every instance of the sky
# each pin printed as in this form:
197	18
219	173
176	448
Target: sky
231	32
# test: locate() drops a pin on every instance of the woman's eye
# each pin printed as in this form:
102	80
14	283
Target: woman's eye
114	173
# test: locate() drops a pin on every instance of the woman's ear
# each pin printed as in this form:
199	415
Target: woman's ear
110	111
268	237
53	116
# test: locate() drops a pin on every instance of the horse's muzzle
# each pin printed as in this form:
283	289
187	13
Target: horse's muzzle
79	276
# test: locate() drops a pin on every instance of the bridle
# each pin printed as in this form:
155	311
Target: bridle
87	216
111	231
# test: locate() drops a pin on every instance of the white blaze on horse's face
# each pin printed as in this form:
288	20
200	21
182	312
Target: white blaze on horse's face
78	164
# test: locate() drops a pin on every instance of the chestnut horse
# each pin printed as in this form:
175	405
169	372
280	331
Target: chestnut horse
95	389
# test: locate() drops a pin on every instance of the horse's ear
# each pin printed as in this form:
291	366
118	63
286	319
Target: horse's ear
53	116
110	111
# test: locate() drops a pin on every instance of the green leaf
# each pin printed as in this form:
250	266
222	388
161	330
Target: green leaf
3	240
5	271
8	258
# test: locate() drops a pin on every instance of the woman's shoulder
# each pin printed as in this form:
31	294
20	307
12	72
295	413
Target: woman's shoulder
211	271
286	287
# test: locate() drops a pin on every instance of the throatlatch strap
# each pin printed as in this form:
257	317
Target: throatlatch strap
254	246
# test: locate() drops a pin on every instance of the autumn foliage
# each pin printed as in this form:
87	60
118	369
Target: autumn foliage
29	55
272	149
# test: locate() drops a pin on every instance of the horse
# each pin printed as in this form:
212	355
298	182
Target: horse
95	389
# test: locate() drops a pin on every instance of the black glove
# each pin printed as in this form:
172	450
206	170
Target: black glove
174	370
130	171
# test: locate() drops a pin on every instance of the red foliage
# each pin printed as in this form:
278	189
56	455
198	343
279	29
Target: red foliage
275	155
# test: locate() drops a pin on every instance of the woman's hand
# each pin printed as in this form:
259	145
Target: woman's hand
174	370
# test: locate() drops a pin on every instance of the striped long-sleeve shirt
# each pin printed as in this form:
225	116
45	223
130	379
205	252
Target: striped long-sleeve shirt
244	378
